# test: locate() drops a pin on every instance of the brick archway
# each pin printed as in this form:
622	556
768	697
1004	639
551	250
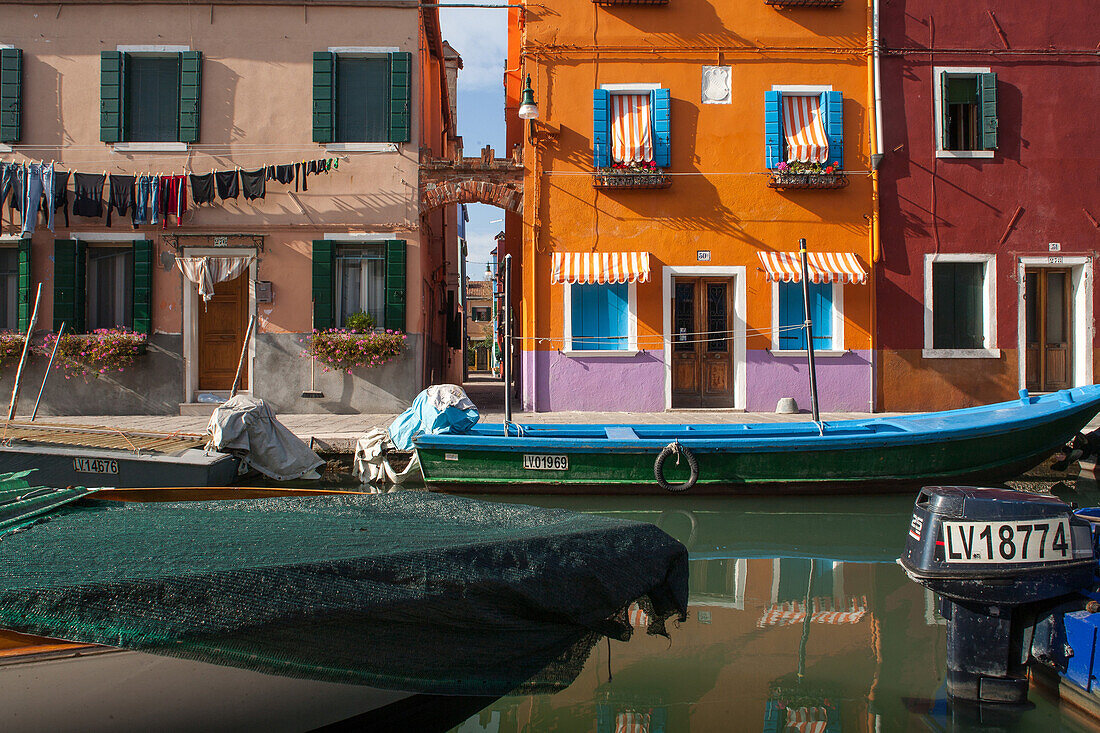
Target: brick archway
484	180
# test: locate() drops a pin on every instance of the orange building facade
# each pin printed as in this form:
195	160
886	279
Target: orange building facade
658	219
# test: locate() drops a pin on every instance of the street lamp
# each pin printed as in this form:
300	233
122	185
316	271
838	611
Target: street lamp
528	110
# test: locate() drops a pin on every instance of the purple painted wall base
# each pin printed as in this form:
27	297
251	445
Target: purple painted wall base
843	382
555	382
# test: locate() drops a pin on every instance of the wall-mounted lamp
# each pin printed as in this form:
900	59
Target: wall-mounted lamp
528	110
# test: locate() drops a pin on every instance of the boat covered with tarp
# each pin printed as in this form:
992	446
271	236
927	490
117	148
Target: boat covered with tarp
989	443
410	591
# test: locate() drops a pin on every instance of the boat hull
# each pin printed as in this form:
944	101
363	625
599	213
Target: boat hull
848	456
79	466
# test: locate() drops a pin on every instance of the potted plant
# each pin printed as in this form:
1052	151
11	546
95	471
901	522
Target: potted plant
642	174
97	353
797	174
358	345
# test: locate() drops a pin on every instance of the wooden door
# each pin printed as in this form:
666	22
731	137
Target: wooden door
222	324
1048	309
702	342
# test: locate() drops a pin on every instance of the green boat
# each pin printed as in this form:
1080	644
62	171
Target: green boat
991	443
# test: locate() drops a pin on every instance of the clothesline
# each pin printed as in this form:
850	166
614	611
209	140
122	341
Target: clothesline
149	198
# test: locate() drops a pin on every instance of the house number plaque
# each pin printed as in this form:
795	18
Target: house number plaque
702	255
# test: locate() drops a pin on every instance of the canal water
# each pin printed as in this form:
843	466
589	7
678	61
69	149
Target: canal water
870	657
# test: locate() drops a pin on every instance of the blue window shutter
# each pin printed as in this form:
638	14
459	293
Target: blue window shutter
603	316
601	128
987	96
821	305
662	127
584	317
790	316
618	297
773	128
832	104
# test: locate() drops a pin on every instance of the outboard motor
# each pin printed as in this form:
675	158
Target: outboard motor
999	559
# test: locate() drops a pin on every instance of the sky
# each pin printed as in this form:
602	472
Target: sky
479	35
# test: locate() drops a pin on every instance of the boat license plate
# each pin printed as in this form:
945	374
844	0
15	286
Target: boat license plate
1007	542
546	463
95	465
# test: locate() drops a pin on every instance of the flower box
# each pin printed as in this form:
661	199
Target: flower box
94	354
804	3
808	180
347	349
11	347
630	178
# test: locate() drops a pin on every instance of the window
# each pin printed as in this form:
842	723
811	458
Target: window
959	312
792	336
360	282
803	123
150	96
361	96
600	317
966	112
9	289
110	287
479	315
631	125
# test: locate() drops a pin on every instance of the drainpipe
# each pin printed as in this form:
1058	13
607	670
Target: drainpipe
875	82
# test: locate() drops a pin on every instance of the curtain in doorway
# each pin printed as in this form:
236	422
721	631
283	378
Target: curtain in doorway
208	271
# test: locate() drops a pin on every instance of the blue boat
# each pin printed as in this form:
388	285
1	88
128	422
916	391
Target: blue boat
990	443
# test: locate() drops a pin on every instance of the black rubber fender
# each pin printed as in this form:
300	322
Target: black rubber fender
659	465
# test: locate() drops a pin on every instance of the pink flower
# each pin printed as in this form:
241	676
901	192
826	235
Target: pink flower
781	167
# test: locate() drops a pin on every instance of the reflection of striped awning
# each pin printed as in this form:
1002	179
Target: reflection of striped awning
631	136
825	612
803	129
825	267
636	616
600	267
633	722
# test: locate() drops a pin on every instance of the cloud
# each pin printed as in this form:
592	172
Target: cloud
480	35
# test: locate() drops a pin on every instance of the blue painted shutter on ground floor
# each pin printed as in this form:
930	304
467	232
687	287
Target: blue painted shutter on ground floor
600	317
791	315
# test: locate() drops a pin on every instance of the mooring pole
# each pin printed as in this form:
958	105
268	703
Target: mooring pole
809	331
244	353
53	353
507	341
23	358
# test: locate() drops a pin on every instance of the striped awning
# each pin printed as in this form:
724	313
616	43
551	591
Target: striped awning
804	130
600	267
631	136
825	612
825	267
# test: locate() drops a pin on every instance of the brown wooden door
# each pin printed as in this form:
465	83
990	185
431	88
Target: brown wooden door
702	342
1049	326
222	324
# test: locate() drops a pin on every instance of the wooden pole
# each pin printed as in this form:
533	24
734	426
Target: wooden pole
60	333
244	352
507	341
809	331
23	358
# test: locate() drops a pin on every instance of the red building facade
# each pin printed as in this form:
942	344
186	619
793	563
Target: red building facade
988	200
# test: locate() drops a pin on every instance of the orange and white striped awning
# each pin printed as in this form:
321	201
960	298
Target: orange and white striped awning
631	136
825	267
600	267
825	612
804	130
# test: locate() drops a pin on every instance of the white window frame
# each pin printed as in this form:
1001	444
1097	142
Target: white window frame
631	327
837	347
638	88
802	89
338	290
151	147
989	293
937	111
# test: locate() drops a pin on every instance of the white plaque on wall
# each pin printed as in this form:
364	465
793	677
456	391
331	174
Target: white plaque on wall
717	87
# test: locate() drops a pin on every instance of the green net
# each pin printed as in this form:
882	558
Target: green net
21	503
407	590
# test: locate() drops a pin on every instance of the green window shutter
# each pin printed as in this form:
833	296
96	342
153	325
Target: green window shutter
987	98
324	273
400	87
24	304
68	284
190	96
112	96
395	284
944	119
142	281
324	97
11	94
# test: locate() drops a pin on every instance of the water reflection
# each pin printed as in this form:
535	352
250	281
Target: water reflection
799	620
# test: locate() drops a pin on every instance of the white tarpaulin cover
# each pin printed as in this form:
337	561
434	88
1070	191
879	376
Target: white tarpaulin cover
373	467
248	425
439	410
